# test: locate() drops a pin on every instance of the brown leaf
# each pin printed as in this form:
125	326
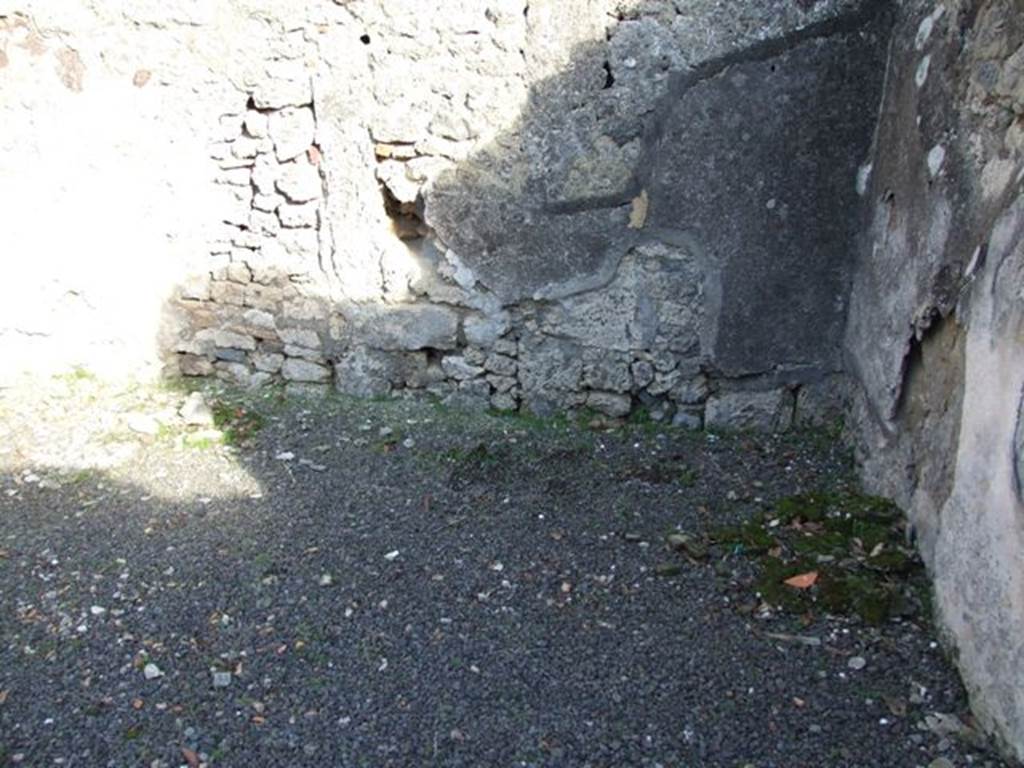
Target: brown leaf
802	581
896	705
190	757
3	696
137	704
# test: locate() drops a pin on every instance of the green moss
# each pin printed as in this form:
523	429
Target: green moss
749	538
238	422
856	545
808	507
687	476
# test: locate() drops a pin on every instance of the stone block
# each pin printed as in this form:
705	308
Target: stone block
485	330
295	369
299	181
501	365
756	411
604	370
302	337
238	272
503	401
304	308
268	362
405	326
292	130
255	124
458	368
690	391
298	216
643	373
313	355
230	339
610	403
363	372
194	365
227	293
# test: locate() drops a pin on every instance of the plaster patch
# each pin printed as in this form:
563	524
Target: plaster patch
922	71
936	157
864	178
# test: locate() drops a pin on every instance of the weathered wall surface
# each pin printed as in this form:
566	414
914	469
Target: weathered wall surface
935	336
510	204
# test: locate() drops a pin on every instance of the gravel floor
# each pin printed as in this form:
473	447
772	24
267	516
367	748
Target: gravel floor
390	584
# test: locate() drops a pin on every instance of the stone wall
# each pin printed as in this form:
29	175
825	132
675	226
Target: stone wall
544	205
935	337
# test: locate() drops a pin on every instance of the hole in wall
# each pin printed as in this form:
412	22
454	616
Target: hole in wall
406	221
364	39
609	78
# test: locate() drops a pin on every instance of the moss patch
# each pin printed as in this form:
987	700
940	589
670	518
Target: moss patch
854	544
238	422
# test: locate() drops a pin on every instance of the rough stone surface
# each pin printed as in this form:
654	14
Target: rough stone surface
295	369
762	411
934	331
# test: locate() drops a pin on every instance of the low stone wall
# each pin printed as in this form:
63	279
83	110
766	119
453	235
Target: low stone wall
590	238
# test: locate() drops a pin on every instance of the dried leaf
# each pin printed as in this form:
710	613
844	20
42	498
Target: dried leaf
896	705
3	696
190	757
137	704
803	580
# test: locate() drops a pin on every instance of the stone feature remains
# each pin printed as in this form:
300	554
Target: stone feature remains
750	215
593	223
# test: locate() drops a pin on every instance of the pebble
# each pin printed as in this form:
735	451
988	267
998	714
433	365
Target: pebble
97	610
857	663
151	671
285	456
391	555
668	569
143	423
326	580
221	679
195	412
940	762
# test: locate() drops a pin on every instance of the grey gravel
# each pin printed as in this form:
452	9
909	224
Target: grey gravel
517	626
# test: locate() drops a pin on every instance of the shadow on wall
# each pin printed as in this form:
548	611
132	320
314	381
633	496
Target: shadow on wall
645	235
